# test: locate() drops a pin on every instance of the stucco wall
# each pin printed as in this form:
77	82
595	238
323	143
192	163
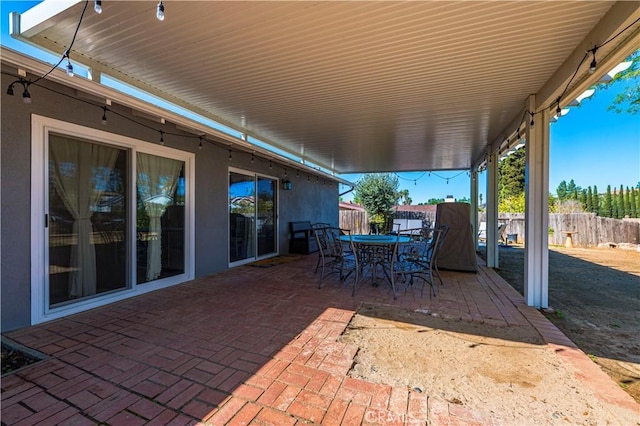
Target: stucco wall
307	201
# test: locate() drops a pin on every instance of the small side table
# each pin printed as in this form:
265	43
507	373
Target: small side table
568	243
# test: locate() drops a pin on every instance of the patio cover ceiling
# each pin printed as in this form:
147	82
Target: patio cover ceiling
350	86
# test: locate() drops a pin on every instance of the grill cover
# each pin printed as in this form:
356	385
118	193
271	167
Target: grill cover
457	252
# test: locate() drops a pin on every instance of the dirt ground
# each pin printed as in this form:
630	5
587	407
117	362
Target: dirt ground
596	296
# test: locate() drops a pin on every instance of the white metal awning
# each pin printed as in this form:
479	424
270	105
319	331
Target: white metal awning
350	86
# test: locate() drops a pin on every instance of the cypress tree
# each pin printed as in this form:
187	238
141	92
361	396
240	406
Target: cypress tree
607	208
583	199
614	204
589	202
620	203
632	203
595	202
625	202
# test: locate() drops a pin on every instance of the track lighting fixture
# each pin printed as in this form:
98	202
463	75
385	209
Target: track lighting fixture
97	6
160	11
104	115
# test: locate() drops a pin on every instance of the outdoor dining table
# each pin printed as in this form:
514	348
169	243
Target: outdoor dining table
375	251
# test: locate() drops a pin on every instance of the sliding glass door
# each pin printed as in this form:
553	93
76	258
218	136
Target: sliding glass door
252	216
111	217
87	219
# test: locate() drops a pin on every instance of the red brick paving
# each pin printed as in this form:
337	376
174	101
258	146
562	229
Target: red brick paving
251	346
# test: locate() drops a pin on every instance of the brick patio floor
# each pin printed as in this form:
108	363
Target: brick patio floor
251	346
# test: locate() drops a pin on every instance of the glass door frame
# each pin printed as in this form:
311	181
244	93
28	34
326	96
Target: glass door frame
255	176
40	129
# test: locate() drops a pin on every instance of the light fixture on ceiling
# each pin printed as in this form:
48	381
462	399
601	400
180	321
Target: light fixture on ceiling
160	11
97	6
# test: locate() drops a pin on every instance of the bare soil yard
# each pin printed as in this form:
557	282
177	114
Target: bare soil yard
596	295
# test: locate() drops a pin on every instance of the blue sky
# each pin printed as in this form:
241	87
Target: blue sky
590	145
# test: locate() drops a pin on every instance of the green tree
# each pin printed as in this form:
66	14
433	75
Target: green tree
573	190
561	190
607	208
404	196
628	100
433	201
512	204
511	175
583	199
633	207
596	201
589	201
623	206
511	182
378	193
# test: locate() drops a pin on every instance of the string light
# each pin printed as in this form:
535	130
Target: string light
230	156
297	173
26	96
270	165
200	144
160	11
308	178
252	159
532	122
104	115
69	68
97	6
594	64
161	137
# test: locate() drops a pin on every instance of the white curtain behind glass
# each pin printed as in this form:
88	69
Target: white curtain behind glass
157	180
74	164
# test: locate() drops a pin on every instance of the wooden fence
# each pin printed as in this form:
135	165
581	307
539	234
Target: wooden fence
358	222
588	230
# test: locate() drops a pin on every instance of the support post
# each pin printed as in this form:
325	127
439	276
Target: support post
474	206
492	210
536	263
